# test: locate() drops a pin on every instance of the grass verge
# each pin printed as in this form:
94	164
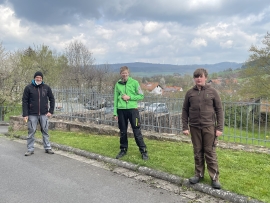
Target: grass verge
241	172
256	137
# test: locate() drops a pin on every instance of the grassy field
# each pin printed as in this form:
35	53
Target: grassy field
10	111
256	137
241	172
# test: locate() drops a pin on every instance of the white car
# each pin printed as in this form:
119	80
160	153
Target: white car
143	106
158	108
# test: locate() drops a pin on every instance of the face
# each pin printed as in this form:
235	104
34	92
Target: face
124	75
38	80
200	81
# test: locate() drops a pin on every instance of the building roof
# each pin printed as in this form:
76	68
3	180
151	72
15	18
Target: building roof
149	86
172	89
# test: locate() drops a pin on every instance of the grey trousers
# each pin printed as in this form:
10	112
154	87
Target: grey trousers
32	127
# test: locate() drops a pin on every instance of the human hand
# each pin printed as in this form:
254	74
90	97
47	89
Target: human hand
125	97
25	118
218	133
116	118
48	114
186	132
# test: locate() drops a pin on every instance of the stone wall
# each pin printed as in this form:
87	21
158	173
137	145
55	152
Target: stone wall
16	123
160	123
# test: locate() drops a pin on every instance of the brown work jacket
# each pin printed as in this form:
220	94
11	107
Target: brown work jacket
202	108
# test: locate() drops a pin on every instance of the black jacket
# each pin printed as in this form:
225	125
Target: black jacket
35	100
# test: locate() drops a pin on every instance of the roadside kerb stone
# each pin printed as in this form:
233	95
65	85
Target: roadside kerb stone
3	123
226	195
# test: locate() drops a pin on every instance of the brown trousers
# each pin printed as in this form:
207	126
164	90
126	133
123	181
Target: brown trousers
203	140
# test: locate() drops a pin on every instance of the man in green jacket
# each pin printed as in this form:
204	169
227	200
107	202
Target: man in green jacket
127	92
202	117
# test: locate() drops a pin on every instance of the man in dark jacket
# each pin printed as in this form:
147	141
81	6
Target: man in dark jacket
36	109
202	116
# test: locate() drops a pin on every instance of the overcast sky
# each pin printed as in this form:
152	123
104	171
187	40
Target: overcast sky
154	31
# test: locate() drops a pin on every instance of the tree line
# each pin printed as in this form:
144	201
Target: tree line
76	67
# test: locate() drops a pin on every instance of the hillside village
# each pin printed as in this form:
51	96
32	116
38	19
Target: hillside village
156	88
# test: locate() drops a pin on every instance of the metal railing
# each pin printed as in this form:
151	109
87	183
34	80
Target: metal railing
244	122
247	123
89	106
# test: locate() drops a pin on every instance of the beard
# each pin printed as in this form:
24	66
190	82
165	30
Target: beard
38	82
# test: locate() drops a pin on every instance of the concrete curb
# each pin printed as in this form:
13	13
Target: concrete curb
3	123
223	194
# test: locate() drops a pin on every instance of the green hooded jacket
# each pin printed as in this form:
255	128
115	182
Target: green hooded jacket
132	89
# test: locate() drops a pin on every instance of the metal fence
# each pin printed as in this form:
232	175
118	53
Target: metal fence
244	122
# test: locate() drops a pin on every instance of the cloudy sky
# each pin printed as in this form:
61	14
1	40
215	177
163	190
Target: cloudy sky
154	31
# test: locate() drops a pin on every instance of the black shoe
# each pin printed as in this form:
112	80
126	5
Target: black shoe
29	153
121	154
145	156
195	179
49	151
216	184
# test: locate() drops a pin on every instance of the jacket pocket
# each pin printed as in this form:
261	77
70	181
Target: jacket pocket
207	117
193	117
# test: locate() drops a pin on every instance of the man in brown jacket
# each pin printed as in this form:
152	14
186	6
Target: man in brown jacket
202	116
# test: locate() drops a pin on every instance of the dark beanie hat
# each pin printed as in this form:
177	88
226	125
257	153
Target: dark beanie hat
38	73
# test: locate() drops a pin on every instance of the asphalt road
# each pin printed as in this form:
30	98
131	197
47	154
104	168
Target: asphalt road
55	178
3	129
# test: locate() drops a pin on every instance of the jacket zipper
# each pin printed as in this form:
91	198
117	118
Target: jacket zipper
200	107
125	94
38	102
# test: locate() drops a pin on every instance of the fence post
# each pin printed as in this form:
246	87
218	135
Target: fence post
2	115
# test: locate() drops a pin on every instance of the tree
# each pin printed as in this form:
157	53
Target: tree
5	73
81	64
41	58
162	82
101	73
17	70
214	76
257	71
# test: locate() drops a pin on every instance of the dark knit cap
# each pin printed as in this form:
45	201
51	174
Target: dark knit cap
38	73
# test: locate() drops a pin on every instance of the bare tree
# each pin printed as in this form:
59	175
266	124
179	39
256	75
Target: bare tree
102	72
4	73
80	62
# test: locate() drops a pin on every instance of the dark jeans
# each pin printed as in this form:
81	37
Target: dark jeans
131	115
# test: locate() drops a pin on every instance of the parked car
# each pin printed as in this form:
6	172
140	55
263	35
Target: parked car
109	110
109	103
96	103
59	107
158	108
143	106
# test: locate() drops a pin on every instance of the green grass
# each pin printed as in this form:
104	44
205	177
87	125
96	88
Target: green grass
256	137
11	111
241	172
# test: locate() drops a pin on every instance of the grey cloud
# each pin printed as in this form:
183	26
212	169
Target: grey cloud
52	12
177	11
117	29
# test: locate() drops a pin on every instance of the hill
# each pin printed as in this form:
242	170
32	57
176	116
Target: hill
150	69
